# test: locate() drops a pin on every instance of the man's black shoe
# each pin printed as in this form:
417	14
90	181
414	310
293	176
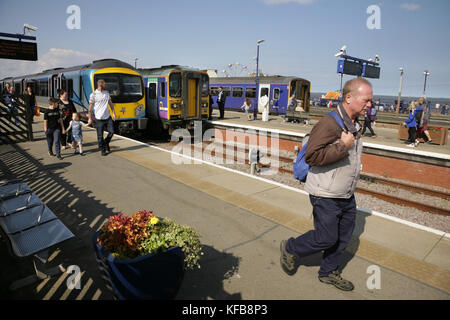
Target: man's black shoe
104	153
108	149
59	157
287	260
50	153
335	279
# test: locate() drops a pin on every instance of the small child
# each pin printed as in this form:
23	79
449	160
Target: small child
77	133
53	126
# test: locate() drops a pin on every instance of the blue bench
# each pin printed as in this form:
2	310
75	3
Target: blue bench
30	228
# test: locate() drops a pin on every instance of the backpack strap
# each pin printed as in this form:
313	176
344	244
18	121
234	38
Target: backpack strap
338	120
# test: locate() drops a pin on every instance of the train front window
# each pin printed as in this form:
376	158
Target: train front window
205	85
175	85
122	87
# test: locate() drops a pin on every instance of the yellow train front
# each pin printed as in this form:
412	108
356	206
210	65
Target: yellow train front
176	96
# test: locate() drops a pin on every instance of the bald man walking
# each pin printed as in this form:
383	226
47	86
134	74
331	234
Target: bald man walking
334	156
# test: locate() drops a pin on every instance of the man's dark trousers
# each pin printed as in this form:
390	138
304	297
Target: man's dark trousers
221	109
101	125
334	222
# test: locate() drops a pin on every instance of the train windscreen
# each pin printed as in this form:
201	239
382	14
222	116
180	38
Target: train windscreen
122	87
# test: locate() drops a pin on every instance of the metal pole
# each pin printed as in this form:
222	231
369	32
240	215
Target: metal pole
255	110
400	91
340	89
426	73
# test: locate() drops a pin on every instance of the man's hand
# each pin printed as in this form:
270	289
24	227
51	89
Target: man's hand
347	138
114	115
89	121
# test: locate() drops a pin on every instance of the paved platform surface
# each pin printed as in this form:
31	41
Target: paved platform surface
241	221
385	135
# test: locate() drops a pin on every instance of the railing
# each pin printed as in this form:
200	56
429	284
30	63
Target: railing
15	121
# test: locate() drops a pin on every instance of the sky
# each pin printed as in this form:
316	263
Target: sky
301	37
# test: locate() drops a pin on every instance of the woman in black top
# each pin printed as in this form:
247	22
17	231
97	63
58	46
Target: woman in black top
31	102
67	108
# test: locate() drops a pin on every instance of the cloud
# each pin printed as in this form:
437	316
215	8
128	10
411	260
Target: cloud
55	57
410	6
270	2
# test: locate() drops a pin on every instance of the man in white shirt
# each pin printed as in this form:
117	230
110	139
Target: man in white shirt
99	101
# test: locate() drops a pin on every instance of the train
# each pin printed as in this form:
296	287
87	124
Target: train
124	83
287	95
176	96
164	98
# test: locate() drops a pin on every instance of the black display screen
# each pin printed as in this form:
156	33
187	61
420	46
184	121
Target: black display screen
352	68
372	72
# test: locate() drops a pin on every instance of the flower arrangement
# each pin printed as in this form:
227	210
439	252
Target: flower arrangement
142	233
435	128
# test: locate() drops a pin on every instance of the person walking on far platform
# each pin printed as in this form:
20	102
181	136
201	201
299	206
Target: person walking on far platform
221	102
411	124
370	116
100	100
334	155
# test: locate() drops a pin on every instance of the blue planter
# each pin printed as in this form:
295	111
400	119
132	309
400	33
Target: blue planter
153	276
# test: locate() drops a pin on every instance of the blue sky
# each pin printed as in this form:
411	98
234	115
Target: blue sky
301	36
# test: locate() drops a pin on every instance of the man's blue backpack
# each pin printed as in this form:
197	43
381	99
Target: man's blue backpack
301	168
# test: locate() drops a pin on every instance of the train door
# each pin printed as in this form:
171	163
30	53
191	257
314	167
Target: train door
152	99
54	83
305	91
192	98
162	98
274	102
264	94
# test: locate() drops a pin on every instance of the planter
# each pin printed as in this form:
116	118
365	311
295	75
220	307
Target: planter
153	276
439	137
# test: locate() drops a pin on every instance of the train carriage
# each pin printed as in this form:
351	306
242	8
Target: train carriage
123	82
280	90
176	95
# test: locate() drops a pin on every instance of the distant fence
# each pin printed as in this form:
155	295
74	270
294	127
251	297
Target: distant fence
15	122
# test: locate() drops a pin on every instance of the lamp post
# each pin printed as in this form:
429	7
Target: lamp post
426	74
255	110
135	63
400	90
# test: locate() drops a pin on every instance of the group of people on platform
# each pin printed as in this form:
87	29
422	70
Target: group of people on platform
417	122
62	125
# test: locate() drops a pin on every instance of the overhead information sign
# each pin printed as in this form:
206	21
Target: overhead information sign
18	50
372	72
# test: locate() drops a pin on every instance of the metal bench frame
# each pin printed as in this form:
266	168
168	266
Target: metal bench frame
40	257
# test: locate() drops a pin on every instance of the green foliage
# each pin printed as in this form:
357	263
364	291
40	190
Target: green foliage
166	233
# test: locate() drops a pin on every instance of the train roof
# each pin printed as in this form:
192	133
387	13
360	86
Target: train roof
96	64
165	70
251	80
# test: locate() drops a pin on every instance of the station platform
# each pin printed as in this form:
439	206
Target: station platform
241	220
386	135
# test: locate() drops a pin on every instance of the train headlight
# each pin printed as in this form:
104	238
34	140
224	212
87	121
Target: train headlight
139	110
175	106
204	105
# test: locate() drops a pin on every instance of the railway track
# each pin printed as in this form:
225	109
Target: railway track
392	198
